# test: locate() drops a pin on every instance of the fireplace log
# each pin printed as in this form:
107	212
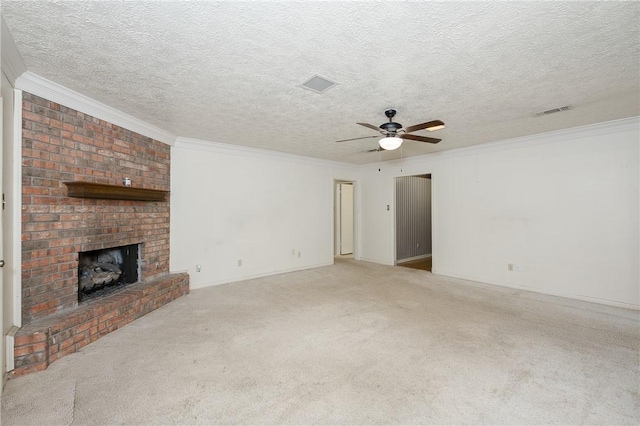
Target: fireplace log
98	274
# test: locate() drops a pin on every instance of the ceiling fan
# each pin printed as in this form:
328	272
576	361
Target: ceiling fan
394	133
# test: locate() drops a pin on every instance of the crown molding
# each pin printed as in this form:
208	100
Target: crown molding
605	128
245	151
12	64
39	86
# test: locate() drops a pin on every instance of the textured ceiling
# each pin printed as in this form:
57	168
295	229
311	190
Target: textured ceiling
230	72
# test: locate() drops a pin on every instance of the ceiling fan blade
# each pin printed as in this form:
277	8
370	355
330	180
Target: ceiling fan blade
433	123
355	139
419	138
378	149
371	126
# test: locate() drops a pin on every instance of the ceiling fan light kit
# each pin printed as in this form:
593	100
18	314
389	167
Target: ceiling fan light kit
390	143
394	133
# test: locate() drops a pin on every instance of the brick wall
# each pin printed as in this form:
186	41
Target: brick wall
60	144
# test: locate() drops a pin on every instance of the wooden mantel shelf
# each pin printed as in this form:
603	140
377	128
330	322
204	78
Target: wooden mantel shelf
113	192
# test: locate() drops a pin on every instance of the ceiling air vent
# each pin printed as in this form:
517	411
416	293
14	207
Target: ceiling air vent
552	111
318	84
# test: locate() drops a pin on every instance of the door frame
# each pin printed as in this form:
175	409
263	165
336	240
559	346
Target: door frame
336	216
432	214
11	183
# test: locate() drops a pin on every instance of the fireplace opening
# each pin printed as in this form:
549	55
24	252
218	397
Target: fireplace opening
103	272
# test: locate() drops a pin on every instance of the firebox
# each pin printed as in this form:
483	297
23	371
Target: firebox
102	272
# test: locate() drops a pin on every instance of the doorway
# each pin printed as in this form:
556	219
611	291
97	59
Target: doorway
413	222
344	219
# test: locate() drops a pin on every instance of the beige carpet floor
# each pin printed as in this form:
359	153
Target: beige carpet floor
352	343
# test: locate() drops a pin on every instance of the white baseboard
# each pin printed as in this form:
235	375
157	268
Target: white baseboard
544	291
251	277
9	354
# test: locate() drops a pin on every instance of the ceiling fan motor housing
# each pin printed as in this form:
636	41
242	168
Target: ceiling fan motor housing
391	127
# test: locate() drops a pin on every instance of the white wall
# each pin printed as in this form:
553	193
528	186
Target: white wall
376	219
563	206
230	203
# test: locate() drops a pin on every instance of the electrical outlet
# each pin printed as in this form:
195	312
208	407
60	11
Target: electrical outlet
299	254
516	268
198	268
239	262
510	267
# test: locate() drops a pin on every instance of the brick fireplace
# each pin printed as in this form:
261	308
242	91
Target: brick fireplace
61	146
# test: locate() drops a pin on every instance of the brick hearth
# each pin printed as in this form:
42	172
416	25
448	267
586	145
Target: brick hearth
43	342
59	145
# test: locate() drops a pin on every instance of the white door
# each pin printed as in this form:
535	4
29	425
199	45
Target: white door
346	218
